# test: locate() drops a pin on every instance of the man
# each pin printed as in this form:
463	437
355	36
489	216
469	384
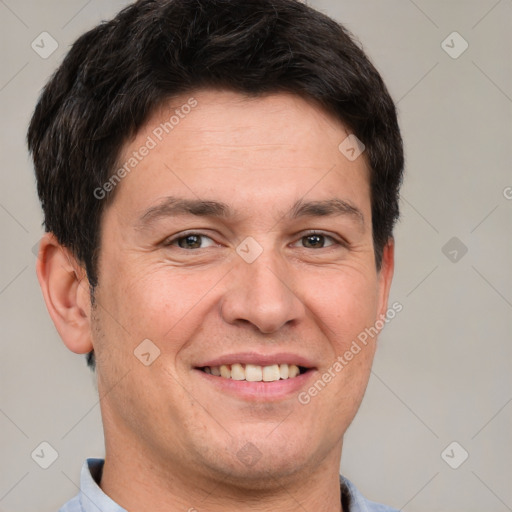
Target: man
219	181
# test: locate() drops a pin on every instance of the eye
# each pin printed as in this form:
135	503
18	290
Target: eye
317	241
190	241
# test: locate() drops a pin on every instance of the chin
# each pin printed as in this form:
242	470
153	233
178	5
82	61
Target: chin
266	475
261	461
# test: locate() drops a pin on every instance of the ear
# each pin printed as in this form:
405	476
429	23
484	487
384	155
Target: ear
385	276
65	290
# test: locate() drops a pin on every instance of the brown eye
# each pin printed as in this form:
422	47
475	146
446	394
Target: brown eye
317	241
191	241
313	241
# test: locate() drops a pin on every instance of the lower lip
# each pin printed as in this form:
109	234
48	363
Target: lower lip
260	391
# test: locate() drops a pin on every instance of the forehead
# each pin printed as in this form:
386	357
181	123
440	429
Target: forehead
210	142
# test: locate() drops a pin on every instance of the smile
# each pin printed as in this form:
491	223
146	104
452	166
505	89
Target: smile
254	372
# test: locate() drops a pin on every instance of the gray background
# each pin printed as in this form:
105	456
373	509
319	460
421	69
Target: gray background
443	368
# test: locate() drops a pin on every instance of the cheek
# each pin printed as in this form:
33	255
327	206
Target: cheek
160	303
346	303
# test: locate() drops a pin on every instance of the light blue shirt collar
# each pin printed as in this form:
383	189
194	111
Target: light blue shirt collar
91	498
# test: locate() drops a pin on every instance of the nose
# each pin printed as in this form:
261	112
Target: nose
262	293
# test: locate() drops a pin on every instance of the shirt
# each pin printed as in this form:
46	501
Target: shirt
92	499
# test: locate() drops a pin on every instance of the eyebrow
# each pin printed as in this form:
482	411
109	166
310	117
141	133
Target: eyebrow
326	207
174	206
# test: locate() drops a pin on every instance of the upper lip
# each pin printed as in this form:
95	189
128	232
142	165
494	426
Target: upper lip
259	359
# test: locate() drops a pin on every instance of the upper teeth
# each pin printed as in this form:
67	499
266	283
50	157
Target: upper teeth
253	372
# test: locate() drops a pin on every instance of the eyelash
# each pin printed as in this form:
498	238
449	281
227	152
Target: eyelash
335	241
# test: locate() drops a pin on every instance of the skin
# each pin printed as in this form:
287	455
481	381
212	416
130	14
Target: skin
171	436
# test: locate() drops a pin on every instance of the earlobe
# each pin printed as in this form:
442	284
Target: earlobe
66	293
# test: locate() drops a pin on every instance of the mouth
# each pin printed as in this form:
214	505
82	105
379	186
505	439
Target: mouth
257	377
254	372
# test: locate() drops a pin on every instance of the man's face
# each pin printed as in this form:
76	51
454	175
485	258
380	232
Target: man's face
248	285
